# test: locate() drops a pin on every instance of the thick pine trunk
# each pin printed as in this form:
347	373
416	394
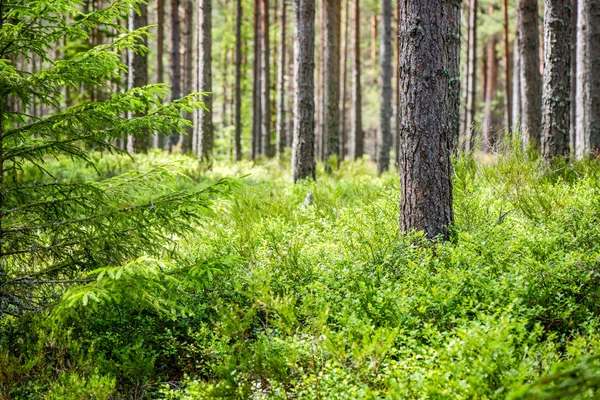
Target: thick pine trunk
303	151
489	128
428	34
280	124
205	122
557	80
531	80
506	60
175	62
516	84
188	69
385	132
138	74
471	103
588	78
573	96
238	80
265	79
332	76
343	95
256	93
160	139
356	148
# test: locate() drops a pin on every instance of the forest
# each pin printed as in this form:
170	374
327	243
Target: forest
299	199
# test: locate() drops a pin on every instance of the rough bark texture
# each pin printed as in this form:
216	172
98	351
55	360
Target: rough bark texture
175	62
320	89
531	80
343	95
280	124
332	76
385	132
303	151
205	122
356	148
265	79
188	69
138	74
238	80
572	135
557	80
469	137
489	128
429	51
256	94
506	60
397	86
588	77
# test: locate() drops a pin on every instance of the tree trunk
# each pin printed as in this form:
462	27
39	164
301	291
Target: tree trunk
256	91
385	131
205	122
332	77
280	125
428	35
238	80
175	62
265	67
343	125
488	127
374	41
188	69
160	139
138	74
319	96
356	148
573	96
469	136
531	81
557	80
588	77
303	152
506	60
397	86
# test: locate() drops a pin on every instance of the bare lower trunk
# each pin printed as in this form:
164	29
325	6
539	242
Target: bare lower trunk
175	62
557	80
280	124
385	132
428	34
238	78
531	81
588	77
573	96
332	77
188	68
265	67
303	152
160	139
516	92
256	97
205	122
488	127
356	148
469	137
506	60
343	125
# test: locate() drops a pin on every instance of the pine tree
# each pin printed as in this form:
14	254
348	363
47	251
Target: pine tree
205	123
385	131
238	80
331	79
356	147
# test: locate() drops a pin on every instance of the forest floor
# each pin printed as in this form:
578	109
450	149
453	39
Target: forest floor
327	300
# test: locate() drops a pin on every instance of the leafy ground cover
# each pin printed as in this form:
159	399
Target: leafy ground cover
272	296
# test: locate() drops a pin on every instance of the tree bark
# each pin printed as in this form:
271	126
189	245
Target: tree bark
332	77
256	91
280	124
557	80
303	152
573	96
205	122
175	62
516	83
356	148
488	127
506	60
238	80
469	136
531	81
429	45
265	67
188	69
138	74
588	77
385	131
343	125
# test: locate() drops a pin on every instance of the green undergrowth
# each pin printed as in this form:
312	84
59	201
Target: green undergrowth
272	296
